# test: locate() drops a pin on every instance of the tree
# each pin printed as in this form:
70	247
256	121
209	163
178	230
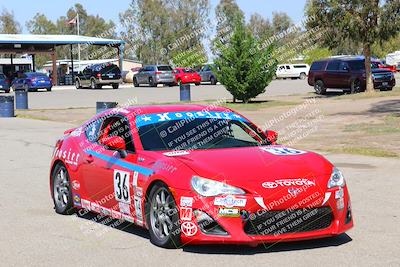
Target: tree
281	22
243	68
363	22
39	24
317	54
260	27
8	24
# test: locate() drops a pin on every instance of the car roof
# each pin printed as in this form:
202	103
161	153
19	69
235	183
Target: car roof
175	108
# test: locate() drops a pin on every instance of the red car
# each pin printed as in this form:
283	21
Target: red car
187	75
194	174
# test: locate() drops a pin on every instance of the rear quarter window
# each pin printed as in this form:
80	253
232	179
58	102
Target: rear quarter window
299	66
319	65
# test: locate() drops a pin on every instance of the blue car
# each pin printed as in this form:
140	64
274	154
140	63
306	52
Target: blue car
32	81
4	83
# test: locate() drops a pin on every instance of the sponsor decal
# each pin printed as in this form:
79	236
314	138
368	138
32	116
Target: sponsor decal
283	151
294	191
75	185
124	208
230	201
176	153
138	208
77	132
105	211
260	201
147	119
227	212
186	202
135	179
186	214
340	203
95	207
339	193
327	196
85	204
188	228
288	182
116	214
139	192
121	186
128	218
69	156
77	200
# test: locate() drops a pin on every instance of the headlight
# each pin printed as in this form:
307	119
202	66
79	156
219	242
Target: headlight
337	179
208	188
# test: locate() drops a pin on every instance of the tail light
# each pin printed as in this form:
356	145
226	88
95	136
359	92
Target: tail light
98	75
158	72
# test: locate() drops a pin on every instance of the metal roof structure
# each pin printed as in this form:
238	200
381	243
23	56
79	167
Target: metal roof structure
55	40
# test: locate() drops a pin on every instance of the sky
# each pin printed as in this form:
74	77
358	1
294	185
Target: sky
24	10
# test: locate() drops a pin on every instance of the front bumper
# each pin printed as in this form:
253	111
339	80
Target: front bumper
237	229
384	84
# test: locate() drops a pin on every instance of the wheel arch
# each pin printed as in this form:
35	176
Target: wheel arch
55	164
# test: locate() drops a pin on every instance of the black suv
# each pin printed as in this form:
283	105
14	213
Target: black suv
97	75
347	73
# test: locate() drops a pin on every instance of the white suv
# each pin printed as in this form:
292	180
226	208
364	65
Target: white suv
292	71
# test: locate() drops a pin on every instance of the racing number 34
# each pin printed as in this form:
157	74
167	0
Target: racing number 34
121	186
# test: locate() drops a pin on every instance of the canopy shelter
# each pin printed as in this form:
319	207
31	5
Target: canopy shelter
46	44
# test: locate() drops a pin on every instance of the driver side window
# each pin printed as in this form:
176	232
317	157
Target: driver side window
117	126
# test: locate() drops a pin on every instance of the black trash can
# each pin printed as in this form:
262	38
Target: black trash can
103	106
184	92
7	106
21	99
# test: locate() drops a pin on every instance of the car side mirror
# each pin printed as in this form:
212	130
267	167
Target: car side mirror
116	143
272	137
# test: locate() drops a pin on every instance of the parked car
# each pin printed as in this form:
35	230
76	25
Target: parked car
129	75
97	75
4	83
207	75
347	73
187	75
32	81
292	71
154	75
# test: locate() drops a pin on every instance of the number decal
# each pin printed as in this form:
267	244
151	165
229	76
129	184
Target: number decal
121	186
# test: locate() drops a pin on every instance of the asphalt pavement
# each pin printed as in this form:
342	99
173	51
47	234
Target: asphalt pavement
32	234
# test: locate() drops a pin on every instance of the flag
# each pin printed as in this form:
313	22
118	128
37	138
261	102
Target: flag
72	21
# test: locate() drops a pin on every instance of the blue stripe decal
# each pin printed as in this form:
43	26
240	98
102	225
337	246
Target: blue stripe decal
143	120
121	163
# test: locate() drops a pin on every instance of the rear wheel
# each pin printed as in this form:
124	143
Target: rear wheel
152	83
26	88
7	91
115	86
197	84
319	87
162	217
355	86
48	89
135	83
77	84
93	84
303	76
213	81
62	195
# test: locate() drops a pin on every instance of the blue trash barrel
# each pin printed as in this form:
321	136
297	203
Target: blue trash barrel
184	90
103	106
7	106
21	99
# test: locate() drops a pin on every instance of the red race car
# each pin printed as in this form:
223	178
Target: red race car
187	75
194	174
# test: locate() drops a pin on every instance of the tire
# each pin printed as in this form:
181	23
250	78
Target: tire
303	76
151	82
135	83
163	234
78	84
389	88
115	86
48	89
213	81
7	91
93	84
61	189
319	87
179	82
355	87
197	84
26	88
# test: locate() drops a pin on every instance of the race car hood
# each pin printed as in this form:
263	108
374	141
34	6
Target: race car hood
254	169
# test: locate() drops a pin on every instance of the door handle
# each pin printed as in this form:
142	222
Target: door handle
89	159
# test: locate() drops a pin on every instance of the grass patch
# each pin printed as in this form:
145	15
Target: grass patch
390	125
365	151
366	95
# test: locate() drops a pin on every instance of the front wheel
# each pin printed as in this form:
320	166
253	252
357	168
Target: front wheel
213	81
62	195
162	218
48	89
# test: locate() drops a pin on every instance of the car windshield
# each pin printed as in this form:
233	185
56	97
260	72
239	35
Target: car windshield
196	130
188	71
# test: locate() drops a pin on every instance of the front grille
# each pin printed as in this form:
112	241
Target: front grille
288	221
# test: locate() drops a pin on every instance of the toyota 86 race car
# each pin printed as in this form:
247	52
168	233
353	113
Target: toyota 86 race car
194	174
